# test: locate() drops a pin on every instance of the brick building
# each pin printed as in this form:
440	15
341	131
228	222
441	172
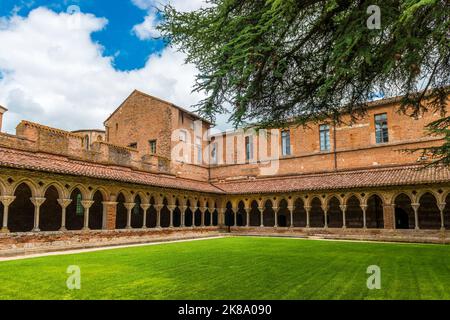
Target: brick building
157	170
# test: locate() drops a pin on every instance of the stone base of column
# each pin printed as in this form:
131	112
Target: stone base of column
36	230
86	229
4	230
62	229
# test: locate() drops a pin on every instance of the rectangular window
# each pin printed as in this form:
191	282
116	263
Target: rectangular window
249	147
381	128
133	145
152	146
198	146
286	143
324	137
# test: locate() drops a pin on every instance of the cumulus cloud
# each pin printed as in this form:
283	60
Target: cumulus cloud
52	72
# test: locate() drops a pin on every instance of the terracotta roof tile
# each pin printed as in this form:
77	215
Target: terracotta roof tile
62	165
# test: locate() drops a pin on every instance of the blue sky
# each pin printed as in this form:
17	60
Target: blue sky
117	38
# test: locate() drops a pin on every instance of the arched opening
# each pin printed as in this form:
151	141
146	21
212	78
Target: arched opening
165	214
374	212
215	218
229	215
354	214
21	210
207	218
241	219
75	211
177	217
284	216
188	215
299	213
447	212
404	213
151	215
316	215
429	213
137	214
335	215
50	218
2	210
121	213
96	212
255	214
198	216
268	214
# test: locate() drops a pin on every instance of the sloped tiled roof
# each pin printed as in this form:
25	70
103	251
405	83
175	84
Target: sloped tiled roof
365	178
57	164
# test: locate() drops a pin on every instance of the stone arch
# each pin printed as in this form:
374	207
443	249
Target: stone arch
3	189
268	214
208	217
81	188
75	211
316	215
374	212
151	220
177	214
255	214
58	187
137	213
423	192
229	214
353	195
30	184
121	211
334	213
299	213
21	210
188	214
50	218
241	215
165	213
96	212
354	214
429	214
447	212
198	215
284	215
404	213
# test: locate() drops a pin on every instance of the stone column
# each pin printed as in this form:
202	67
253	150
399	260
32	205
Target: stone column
183	217
247	214
37	205
364	210
87	204
344	211
261	211
158	208
441	207
291	211
221	212
64	203
389	216
171	209
203	210
6	200
307	209
111	212
145	207
325	216
235	211
275	210
415	207
129	207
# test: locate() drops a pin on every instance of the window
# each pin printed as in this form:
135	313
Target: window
117	127
324	137
79	211
381	128
152	144
86	141
214	153
133	145
198	146
181	117
183	135
286	143
248	147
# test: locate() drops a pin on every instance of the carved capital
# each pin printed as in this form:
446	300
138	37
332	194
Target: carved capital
37	201
7	200
64	203
441	206
129	205
87	203
343	207
145	206
109	203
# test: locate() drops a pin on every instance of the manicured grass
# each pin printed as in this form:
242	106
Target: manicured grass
237	268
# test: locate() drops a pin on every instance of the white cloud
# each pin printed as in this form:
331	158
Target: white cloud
53	73
147	29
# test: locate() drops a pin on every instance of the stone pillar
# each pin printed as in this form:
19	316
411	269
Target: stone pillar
64	203
221	212
129	207
111	212
364	210
37	205
158	208
307	209
203	210
389	216
183	217
87	204
247	214
6	200
261	211
344	211
291	211
325	216
145	207
441	207
416	207
171	209
235	211
275	210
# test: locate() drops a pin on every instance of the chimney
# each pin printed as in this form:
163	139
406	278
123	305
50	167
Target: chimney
2	111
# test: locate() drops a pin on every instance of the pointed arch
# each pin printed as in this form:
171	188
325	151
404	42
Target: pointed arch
299	213
404	213
21	210
50	218
334	214
429	214
354	214
316	215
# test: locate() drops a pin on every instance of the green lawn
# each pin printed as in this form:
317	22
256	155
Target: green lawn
237	268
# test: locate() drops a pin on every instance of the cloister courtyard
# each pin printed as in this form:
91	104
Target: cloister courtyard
237	268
